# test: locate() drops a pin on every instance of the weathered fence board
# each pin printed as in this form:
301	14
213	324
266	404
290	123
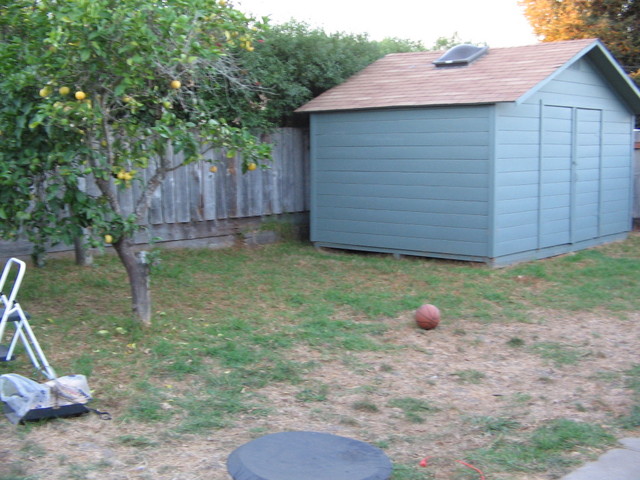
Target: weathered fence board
194	202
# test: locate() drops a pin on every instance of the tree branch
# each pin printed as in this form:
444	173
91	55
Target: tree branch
144	201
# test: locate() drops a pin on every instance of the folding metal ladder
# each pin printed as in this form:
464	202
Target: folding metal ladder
12	314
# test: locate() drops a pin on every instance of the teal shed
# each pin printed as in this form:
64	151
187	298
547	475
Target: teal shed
491	155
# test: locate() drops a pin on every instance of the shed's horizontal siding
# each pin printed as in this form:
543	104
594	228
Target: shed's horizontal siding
406	119
394	243
398	223
468	195
444	206
408	165
391	179
417	139
404	152
407	180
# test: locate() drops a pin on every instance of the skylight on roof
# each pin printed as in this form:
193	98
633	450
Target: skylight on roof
460	55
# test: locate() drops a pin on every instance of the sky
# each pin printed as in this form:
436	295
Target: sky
498	23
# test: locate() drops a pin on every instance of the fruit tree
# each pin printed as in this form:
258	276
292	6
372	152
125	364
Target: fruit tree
95	91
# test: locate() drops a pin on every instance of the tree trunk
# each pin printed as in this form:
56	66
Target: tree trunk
84	258
137	268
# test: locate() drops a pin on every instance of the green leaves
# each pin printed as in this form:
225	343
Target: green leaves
118	109
295	63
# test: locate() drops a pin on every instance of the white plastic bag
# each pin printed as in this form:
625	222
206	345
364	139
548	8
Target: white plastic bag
21	395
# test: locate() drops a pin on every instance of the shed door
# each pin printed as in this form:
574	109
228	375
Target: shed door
569	175
587	174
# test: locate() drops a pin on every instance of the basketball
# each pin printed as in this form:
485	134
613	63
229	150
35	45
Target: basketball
427	316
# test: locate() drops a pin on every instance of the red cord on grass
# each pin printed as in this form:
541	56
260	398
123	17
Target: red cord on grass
423	463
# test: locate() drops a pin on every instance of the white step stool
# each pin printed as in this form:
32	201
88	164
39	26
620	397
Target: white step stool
12	313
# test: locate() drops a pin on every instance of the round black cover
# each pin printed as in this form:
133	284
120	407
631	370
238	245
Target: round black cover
308	456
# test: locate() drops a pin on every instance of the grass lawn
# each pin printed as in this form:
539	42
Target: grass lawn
529	373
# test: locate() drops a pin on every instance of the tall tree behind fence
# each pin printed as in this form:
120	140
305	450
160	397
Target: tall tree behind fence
194	203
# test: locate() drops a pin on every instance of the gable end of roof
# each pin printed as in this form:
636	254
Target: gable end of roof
608	67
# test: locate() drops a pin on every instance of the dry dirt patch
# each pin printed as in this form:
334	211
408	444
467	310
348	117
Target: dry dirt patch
464	370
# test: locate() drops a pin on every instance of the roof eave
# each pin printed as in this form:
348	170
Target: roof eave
400	106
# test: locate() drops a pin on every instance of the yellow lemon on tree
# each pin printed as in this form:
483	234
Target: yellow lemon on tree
175	84
64	91
45	92
252	166
80	95
108	238
213	169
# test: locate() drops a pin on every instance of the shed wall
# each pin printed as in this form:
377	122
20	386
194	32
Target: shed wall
412	181
562	167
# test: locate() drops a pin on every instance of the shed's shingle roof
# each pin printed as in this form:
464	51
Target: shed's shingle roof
411	79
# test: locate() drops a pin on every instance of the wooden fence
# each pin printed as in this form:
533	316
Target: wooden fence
197	207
